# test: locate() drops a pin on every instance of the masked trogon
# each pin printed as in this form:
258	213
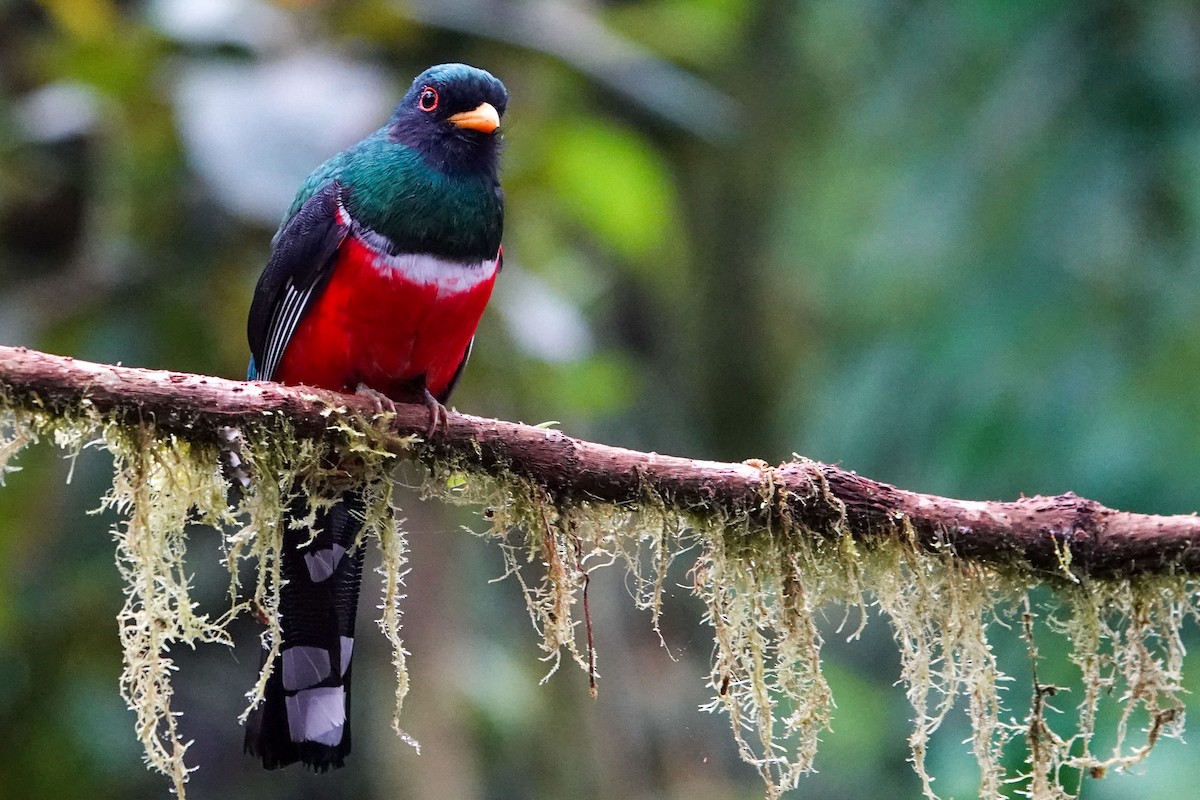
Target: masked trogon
376	282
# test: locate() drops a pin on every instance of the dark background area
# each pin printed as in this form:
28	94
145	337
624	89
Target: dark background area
955	247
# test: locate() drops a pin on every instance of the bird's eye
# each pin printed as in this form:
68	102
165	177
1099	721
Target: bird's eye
428	100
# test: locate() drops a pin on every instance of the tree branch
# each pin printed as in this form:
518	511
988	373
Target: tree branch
1040	534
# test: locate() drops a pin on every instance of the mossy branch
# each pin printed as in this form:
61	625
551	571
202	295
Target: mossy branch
773	547
1066	535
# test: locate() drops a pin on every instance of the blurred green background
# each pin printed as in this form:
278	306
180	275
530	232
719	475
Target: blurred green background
953	246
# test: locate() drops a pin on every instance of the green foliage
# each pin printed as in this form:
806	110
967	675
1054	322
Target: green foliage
613	184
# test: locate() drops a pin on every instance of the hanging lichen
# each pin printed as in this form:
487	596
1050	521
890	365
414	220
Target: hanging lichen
762	584
157	488
161	486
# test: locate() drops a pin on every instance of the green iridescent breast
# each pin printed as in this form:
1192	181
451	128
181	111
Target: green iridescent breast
392	190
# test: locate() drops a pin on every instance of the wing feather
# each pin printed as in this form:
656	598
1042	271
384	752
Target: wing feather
304	252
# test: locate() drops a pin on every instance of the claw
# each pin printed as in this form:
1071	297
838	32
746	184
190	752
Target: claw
438	416
381	401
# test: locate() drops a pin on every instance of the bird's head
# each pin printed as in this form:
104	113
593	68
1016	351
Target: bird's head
451	115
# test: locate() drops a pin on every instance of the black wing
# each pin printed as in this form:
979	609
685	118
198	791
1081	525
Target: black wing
301	261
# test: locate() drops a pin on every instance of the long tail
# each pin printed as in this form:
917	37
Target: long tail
305	713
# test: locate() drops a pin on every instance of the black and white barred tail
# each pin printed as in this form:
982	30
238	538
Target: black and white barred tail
305	713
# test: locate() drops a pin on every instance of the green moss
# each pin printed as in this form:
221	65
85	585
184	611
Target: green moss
762	588
161	485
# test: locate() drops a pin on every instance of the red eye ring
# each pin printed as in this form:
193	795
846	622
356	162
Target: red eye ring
427	100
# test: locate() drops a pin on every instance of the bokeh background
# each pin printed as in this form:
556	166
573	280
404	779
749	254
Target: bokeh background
953	246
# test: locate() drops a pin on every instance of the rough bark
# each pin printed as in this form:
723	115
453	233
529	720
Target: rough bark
1041	534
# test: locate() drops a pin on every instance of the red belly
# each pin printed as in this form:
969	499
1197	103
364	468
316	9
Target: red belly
383	329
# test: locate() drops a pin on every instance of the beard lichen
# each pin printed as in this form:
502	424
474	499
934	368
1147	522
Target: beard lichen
162	486
764	587
159	489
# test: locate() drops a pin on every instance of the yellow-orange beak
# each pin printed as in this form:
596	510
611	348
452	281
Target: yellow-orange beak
483	118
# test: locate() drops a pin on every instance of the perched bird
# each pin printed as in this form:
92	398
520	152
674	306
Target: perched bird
376	283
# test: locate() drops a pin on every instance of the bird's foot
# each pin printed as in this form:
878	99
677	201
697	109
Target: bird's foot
438	416
381	401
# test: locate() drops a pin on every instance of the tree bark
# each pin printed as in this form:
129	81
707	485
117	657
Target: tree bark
1051	535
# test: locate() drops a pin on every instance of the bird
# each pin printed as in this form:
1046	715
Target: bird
376	282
